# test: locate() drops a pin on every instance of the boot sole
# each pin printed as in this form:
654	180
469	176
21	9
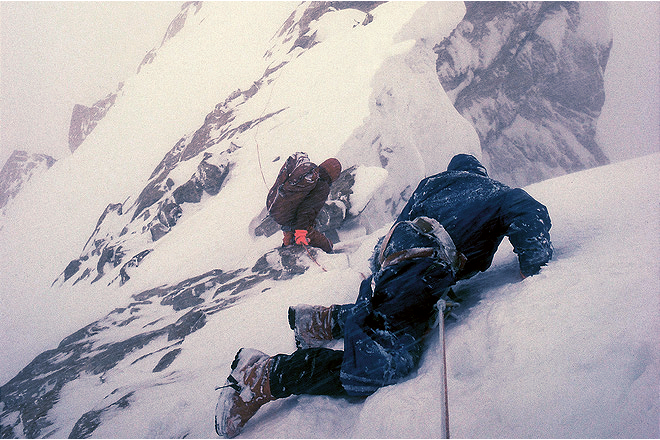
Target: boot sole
231	389
222	411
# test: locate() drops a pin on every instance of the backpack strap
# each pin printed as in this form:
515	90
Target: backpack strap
445	250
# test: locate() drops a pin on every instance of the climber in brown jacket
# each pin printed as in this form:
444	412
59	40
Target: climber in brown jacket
295	200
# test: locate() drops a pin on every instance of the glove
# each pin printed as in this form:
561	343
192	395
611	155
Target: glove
301	237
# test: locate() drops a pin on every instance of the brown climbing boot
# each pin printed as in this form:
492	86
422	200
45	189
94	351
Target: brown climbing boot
247	389
312	325
317	239
287	240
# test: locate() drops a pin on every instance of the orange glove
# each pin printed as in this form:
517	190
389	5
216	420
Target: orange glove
301	237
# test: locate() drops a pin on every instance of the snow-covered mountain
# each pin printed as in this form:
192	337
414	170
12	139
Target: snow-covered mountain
18	170
530	78
133	270
84	119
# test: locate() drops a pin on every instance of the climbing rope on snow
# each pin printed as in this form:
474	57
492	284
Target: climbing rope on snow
442	305
256	132
313	259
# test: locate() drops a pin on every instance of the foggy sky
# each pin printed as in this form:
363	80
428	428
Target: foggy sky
58	54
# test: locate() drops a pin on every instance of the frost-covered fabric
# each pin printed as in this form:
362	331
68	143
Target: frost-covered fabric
478	212
384	330
384	333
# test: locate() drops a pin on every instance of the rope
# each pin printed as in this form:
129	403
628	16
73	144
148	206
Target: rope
445	416
313	259
259	159
256	132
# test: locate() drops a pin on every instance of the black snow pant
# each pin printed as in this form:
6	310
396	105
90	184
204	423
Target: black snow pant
314	371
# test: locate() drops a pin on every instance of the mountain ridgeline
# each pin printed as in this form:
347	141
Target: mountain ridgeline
528	77
524	79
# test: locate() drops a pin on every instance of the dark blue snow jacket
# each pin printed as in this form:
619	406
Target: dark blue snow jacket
385	328
478	212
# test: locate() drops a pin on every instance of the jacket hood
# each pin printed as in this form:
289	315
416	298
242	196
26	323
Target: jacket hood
467	162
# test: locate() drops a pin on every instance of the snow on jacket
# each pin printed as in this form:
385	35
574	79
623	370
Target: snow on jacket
299	193
385	328
478	212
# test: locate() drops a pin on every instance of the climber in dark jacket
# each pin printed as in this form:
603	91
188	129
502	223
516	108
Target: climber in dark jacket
478	212
449	230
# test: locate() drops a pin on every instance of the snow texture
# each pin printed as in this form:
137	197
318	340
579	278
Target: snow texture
571	352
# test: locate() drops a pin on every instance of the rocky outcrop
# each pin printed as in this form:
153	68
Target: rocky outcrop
18	170
84	119
187	9
529	77
147	333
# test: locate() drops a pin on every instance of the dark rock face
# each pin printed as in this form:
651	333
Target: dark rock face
84	119
298	31
187	9
162	201
20	168
530	79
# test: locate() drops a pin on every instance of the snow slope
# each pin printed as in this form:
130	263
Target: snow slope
572	352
